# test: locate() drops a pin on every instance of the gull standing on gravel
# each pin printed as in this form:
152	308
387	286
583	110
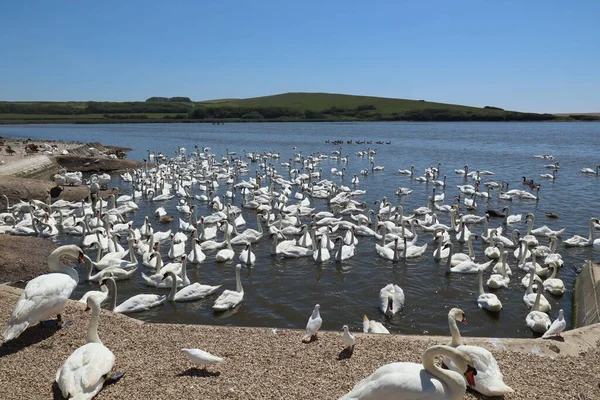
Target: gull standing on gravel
313	325
557	326
201	357
348	339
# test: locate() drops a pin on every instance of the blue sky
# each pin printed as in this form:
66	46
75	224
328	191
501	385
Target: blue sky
541	56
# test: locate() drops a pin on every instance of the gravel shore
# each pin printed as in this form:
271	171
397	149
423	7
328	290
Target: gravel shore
263	363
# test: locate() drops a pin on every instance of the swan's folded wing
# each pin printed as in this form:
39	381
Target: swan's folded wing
83	372
397	384
43	292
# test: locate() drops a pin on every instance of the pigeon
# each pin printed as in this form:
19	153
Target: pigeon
313	325
201	357
348	339
557	326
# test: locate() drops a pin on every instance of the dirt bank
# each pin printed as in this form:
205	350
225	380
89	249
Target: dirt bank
23	258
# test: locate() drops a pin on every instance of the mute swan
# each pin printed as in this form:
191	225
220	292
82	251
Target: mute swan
343	252
457	258
426	381
231	298
313	325
191	292
196	255
116	271
247	256
45	295
489	380
370	326
496	281
86	370
227	253
536	320
553	284
348	339
137	303
557	326
529	297
391	299
489	301
321	252
412	251
465	267
580	241
409	172
201	357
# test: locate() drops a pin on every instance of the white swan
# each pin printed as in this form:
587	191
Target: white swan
489	380
580	241
45	295
426	381
86	370
192	292
231	298
391	299
489	301
370	326
529	297
227	253
196	255
118	273
247	256
536	320
553	284
412	251
137	303
465	267
343	252
497	281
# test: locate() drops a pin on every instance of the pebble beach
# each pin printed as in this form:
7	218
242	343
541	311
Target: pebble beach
269	363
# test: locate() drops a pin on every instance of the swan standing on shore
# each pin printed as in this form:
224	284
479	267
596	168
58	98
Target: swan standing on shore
45	295
489	380
86	370
426	381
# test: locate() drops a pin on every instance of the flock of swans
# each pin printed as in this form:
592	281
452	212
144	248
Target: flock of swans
284	208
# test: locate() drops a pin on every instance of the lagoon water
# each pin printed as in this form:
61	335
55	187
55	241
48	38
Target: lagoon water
282	292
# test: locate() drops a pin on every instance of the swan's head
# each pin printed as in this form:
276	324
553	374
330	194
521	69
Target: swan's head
458	315
167	274
93	302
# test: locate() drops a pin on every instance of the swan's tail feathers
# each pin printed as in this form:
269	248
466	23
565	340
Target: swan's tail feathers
498	389
365	324
14	330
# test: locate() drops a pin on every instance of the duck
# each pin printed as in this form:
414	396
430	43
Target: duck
45	295
370	326
87	369
231	298
489	380
408	380
192	292
488	301
313	325
391	299
137	303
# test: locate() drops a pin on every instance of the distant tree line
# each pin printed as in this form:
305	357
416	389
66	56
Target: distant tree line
227	112
169	99
136	107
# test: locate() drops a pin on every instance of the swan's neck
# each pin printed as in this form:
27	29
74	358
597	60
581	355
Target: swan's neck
55	265
451	379
92	333
591	231
529	227
449	260
173	291
480	282
455	332
554	271
538	297
89	265
238	281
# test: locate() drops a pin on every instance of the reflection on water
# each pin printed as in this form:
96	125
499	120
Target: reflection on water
282	292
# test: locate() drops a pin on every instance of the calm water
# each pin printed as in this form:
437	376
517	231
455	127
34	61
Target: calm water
282	292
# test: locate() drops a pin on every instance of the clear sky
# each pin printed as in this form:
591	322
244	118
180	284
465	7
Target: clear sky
527	55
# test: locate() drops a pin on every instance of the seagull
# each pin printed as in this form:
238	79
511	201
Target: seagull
557	326
313	325
201	357
348	339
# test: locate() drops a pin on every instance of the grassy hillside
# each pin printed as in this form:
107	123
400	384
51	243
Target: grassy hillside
280	107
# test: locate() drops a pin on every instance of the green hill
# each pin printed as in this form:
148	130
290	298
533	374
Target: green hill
279	107
329	106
